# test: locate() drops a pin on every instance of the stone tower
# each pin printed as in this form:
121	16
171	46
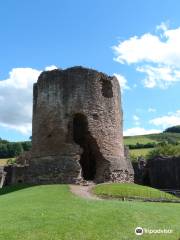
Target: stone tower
77	128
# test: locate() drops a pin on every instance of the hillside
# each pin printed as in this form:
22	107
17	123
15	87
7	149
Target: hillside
141	145
158	137
53	212
174	129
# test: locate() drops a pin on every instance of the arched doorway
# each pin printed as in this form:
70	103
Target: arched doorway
82	136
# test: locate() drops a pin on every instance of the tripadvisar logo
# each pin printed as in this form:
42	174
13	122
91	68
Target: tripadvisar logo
139	231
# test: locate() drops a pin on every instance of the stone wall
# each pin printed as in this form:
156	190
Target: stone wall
163	172
2	176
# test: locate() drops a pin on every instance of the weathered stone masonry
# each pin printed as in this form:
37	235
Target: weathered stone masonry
77	129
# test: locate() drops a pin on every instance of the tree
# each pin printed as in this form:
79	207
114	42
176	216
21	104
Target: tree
14	149
26	145
3	150
174	129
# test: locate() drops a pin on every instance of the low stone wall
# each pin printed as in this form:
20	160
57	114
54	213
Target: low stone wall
15	174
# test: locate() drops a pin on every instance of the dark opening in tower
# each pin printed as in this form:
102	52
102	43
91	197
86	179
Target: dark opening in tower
82	136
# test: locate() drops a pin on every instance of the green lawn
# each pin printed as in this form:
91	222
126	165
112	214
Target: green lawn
51	212
130	190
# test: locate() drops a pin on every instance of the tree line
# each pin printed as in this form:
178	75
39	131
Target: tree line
13	149
142	145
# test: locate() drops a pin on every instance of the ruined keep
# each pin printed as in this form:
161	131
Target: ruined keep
77	129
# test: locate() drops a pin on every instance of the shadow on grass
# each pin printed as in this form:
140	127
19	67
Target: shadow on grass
14	188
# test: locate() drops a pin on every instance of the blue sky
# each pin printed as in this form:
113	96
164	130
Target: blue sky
135	39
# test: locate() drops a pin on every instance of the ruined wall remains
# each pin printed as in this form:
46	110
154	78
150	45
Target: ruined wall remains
77	128
2	176
158	172
163	172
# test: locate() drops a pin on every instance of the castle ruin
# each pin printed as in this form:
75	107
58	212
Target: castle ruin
77	130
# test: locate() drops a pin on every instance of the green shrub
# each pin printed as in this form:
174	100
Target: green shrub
26	145
165	150
11	161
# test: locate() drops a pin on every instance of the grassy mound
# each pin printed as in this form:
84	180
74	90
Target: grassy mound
130	190
52	212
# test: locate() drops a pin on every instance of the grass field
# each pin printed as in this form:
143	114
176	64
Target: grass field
138	139
159	137
164	136
140	152
129	190
3	161
150	138
51	212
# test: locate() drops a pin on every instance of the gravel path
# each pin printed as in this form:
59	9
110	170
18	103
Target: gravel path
83	191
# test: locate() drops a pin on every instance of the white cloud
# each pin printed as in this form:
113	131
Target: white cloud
139	131
162	77
122	82
169	120
158	56
24	128
136	120
51	67
151	109
163	26
16	99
